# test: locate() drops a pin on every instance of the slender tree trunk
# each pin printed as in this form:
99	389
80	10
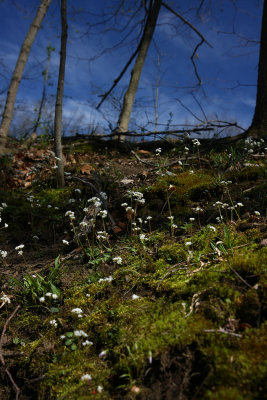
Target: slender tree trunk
45	74
59	98
17	74
258	127
124	119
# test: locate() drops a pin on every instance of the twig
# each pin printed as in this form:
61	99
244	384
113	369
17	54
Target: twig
240	277
144	162
185	21
167	165
15	387
221	330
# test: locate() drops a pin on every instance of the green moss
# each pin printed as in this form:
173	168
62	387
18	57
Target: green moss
185	186
241	362
252	173
173	253
54	197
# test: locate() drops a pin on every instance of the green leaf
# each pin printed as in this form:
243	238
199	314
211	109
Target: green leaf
68	342
74	347
54	310
69	334
57	262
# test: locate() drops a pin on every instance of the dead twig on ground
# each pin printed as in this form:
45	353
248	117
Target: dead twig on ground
221	330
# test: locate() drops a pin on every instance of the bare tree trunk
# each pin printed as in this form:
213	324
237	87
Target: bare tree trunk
17	74
45	74
59	98
124	118
258	127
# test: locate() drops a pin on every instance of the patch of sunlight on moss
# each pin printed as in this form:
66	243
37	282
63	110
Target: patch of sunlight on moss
54	197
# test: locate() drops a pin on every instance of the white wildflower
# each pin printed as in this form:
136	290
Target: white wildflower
65	242
212	228
135	297
86	377
103	195
5	299
142	236
53	322
19	247
117	260
3	253
102	354
108	279
70	214
79	333
103	213
87	343
77	311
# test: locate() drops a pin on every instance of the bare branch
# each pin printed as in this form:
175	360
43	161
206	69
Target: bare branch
200	106
188	109
203	40
104	96
193	61
187	23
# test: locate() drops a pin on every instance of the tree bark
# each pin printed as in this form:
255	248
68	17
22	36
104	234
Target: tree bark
258	128
59	98
17	74
124	118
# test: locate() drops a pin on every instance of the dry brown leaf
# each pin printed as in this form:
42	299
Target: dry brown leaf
144	152
86	169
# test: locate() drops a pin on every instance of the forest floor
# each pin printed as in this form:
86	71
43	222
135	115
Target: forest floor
143	278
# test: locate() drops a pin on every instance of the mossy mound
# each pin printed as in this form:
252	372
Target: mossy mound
165	308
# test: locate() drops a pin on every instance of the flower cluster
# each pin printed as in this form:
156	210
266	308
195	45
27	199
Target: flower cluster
138	197
252	145
19	249
71	215
196	142
78	311
117	260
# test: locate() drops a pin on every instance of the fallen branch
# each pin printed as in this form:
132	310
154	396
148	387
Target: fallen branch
15	387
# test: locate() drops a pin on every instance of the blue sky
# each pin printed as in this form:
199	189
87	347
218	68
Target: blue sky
228	70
